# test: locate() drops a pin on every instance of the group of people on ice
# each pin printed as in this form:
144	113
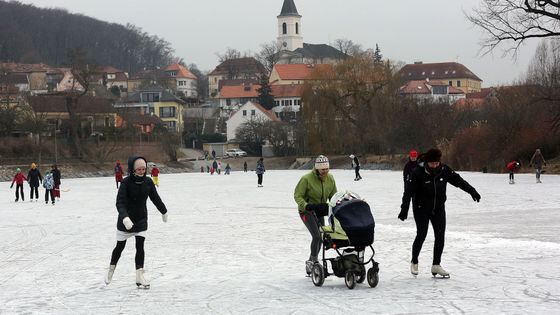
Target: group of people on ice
537	160
425	185
51	183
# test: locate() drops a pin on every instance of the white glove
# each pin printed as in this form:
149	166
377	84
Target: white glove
127	223
164	217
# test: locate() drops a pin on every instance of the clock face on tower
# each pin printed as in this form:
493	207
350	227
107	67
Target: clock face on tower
285	44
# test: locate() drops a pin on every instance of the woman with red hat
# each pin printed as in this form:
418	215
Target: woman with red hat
410	165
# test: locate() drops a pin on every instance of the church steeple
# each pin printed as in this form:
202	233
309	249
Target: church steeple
289	8
289	27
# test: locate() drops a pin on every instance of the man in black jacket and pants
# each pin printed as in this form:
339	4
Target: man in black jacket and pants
428	187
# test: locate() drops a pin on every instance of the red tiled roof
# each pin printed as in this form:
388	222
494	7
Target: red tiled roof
287	90
298	71
232	82
119	76
454	90
182	72
484	92
442	70
239	91
415	87
108	69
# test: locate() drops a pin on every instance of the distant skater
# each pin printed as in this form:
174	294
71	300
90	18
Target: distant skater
118	173
48	184
155	175
56	176
260	172
356	166
538	161
34	178
512	167
19	178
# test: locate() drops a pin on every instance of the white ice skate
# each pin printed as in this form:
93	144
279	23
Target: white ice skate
141	282
309	266
109	274
437	270
414	269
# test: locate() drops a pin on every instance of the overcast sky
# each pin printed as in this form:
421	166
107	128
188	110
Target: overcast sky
406	30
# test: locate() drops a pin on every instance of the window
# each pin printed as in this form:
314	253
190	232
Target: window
450	83
252	112
297	28
244	113
284	28
150	97
173	73
167	112
458	83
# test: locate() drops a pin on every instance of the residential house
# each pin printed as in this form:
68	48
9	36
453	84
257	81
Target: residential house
95	113
452	73
477	99
183	80
157	101
36	75
287	100
241	68
114	77
431	91
249	111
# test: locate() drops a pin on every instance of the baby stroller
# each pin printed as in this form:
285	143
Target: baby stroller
350	233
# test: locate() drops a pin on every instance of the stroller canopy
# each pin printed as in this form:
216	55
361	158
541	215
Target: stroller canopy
354	215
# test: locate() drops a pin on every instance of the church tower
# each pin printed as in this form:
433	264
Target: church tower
289	27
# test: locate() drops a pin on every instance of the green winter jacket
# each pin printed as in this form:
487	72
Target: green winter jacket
310	189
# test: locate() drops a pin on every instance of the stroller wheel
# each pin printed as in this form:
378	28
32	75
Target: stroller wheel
350	280
362	275
373	277
317	275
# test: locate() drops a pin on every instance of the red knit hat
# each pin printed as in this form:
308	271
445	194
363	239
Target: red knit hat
413	154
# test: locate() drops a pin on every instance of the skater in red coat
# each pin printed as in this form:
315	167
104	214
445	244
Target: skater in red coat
19	178
118	173
512	167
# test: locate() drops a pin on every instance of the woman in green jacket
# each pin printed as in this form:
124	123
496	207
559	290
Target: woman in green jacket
312	194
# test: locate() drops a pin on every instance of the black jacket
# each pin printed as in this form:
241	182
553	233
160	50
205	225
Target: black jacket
56	176
33	177
131	200
408	169
429	188
356	162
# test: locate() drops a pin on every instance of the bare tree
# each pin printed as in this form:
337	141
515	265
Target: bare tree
269	55
348	47
229	54
515	21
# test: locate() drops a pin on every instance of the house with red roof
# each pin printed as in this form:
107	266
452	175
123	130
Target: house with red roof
184	81
247	68
249	111
283	74
431	91
452	73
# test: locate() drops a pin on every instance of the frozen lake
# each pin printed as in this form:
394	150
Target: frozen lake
232	248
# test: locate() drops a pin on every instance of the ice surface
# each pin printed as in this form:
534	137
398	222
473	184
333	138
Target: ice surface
232	248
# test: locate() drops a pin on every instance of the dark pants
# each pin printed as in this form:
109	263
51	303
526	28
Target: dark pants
49	192
57	191
510	175
34	189
19	187
138	259
422	220
538	172
357	170
259	181
311	223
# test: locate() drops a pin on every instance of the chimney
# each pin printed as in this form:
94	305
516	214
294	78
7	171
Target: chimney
418	62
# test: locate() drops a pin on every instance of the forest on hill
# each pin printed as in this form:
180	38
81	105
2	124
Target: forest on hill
29	34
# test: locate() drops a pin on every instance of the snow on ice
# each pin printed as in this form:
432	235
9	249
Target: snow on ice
232	248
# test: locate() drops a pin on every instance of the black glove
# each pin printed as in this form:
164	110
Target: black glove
475	196
12	186
403	214
320	209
